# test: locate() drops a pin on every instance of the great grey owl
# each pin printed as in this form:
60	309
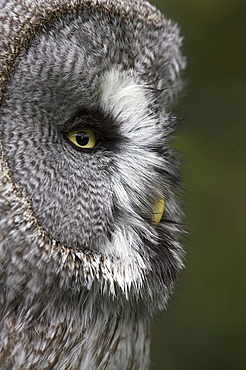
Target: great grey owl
87	255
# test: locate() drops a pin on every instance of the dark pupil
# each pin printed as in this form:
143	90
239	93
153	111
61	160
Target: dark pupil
82	138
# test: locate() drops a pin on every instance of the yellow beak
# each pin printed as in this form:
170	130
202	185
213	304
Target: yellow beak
158	210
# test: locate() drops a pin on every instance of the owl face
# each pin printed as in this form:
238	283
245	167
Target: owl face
85	132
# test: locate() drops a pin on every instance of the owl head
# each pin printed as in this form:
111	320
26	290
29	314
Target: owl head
86	163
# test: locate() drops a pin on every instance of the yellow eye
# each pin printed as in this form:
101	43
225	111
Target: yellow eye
83	138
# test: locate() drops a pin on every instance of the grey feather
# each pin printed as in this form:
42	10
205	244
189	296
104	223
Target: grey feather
83	270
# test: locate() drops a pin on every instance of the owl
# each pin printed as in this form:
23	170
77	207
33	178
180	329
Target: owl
90	222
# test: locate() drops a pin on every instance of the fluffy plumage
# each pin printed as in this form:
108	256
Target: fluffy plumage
82	268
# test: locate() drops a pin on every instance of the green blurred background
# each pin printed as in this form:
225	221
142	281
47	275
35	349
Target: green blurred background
205	325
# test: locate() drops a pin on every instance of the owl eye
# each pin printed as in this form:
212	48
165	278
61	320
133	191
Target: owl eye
84	138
